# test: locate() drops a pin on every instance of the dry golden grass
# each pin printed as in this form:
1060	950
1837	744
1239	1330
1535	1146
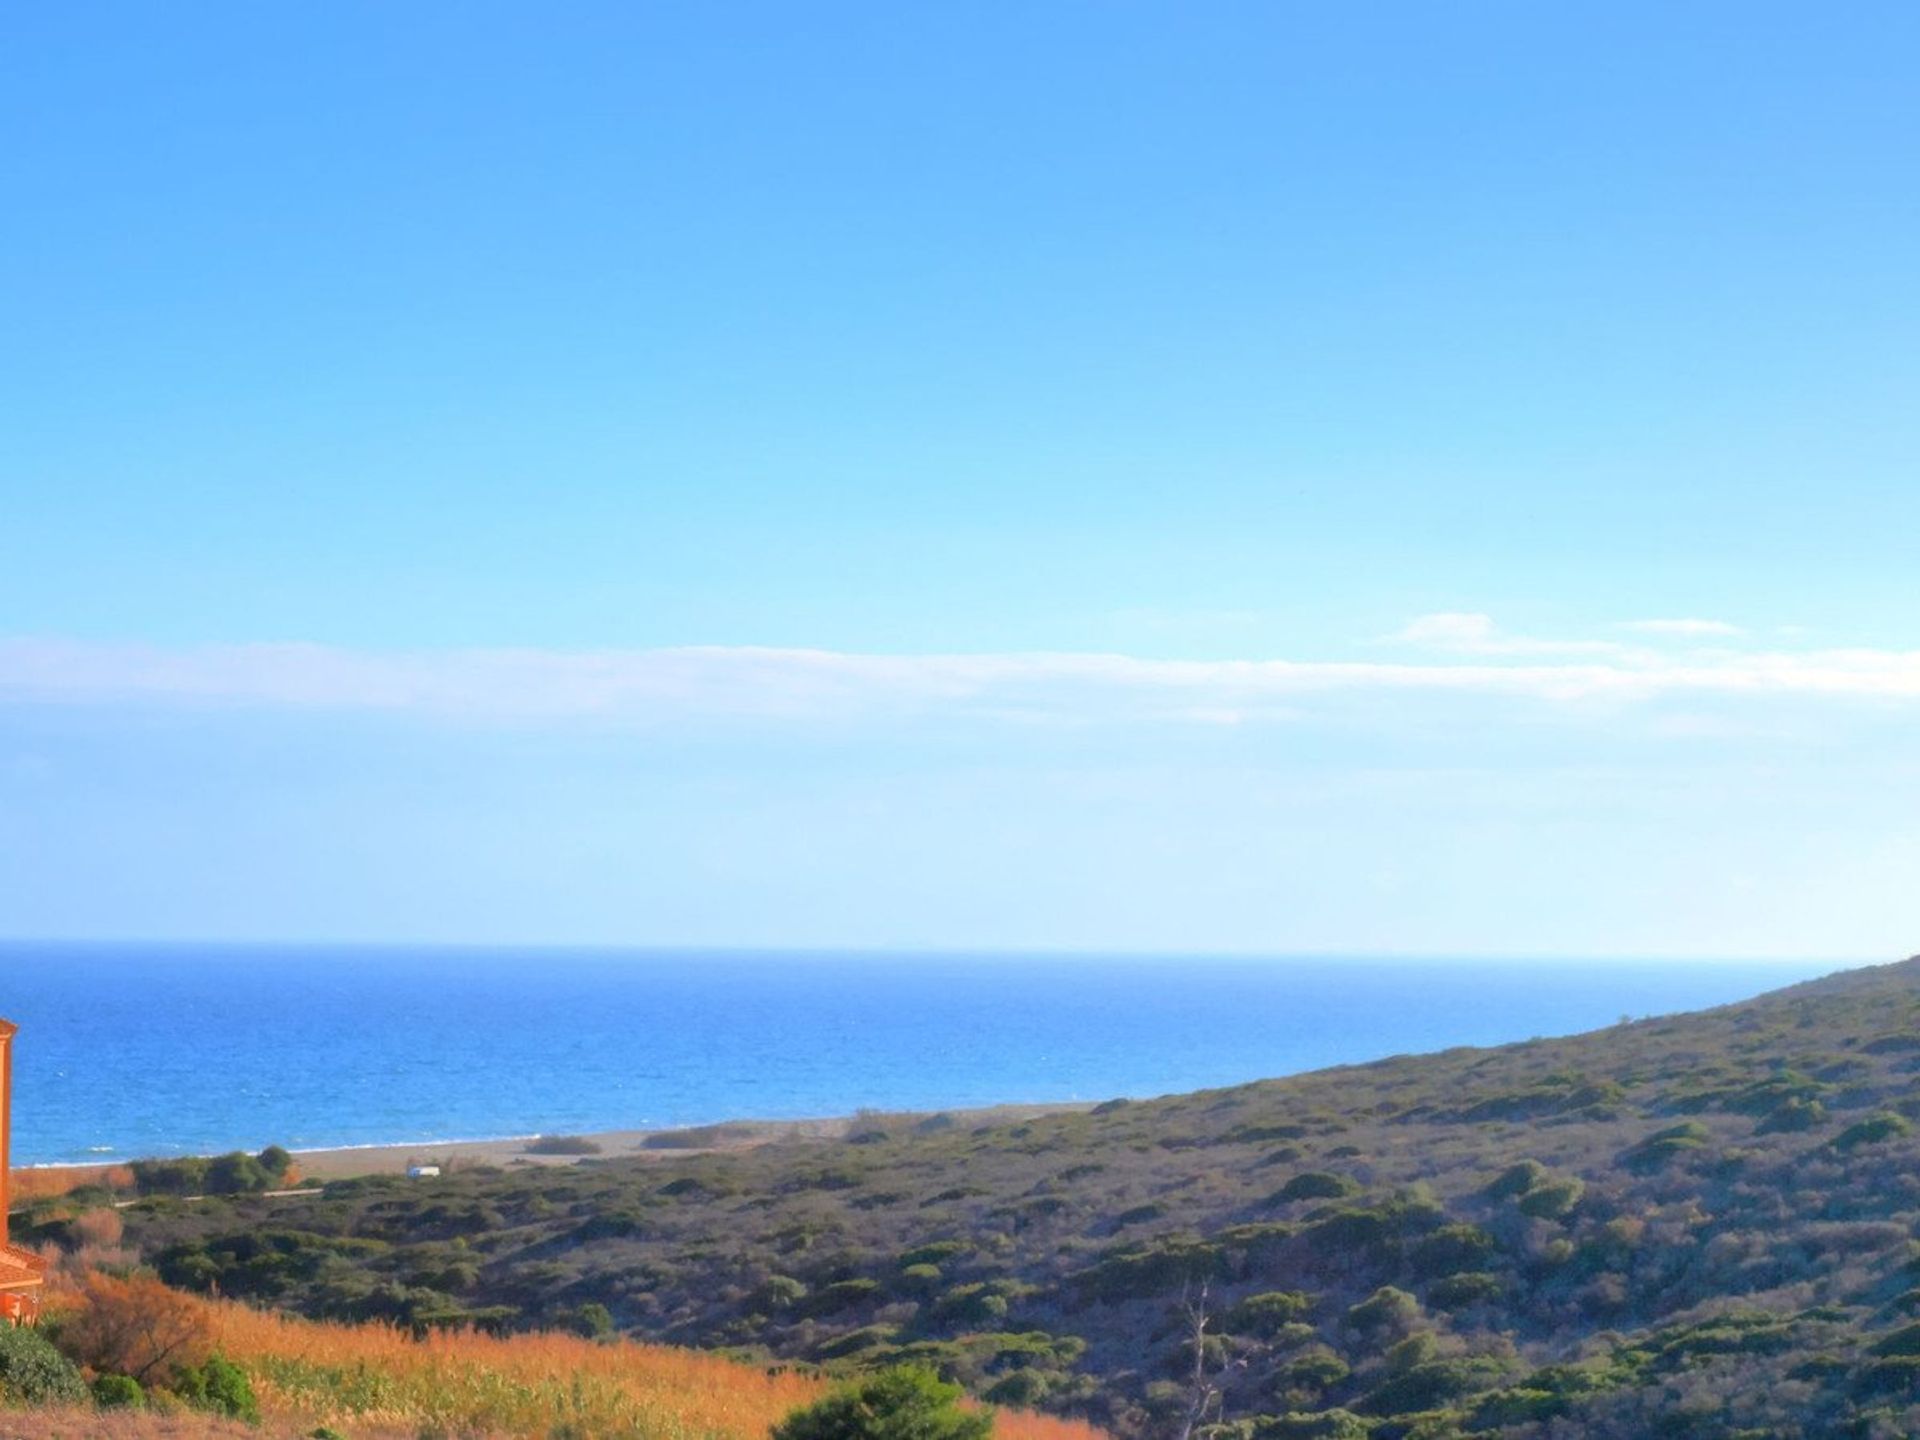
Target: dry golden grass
372	1382
50	1183
137	1425
352	1376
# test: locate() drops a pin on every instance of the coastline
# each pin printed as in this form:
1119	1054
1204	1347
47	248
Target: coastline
396	1157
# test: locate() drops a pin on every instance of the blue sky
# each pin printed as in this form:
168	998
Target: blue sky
1085	476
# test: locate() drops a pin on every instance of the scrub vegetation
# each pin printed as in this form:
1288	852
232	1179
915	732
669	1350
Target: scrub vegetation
1703	1225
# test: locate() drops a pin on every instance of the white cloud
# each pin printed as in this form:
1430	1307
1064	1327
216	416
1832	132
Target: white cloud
790	685
1450	630
1688	629
1470	633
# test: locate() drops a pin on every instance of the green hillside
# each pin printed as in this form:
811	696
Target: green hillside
1702	1225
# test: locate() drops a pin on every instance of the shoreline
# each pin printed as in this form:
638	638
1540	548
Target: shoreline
342	1162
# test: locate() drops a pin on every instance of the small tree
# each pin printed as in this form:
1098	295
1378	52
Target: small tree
237	1174
904	1403
137	1327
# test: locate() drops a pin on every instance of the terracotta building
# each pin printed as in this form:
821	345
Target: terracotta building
21	1271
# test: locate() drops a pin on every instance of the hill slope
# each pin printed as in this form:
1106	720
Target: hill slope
1700	1225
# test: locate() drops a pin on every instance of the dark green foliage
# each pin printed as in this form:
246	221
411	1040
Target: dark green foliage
1314	1370
1432	1383
841	1295
219	1386
1264	1315
903	1403
1457	1291
1663	1145
594	1321
1315	1425
1316	1185
118	1392
237	1174
170	1177
1553	1200
939	1252
1873	1130
1450	1249
1517	1179
1387	1308
1899	1375
1793	1115
32	1372
563	1145
1153	1269
1904	1341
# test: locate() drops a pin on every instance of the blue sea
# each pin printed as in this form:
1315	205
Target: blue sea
155	1050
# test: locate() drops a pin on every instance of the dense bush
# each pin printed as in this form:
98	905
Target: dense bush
563	1145
237	1173
1316	1185
1387	1308
903	1403
1554	1200
136	1326
1265	1314
1873	1130
118	1392
32	1372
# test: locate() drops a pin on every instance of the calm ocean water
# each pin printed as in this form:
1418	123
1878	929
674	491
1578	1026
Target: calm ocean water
153	1050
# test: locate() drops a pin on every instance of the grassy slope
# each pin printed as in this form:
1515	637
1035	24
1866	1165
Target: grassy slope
1685	1166
372	1382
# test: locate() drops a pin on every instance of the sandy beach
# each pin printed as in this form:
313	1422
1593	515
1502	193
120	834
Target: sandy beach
346	1162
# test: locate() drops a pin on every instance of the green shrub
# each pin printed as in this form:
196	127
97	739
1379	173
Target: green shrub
841	1295
904	1403
1451	1249
1313	1425
1904	1341
32	1372
1386	1308
1792	1115
1899	1375
919	1279
562	1145
170	1177
780	1292
1315	1185
1431	1384
1146	1270
1022	1387
219	1386
1517	1406
939	1252
1873	1130
1661	1146
118	1392
856	1342
1517	1180
1265	1314
1315	1369
593	1321
1457	1291
1554	1200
